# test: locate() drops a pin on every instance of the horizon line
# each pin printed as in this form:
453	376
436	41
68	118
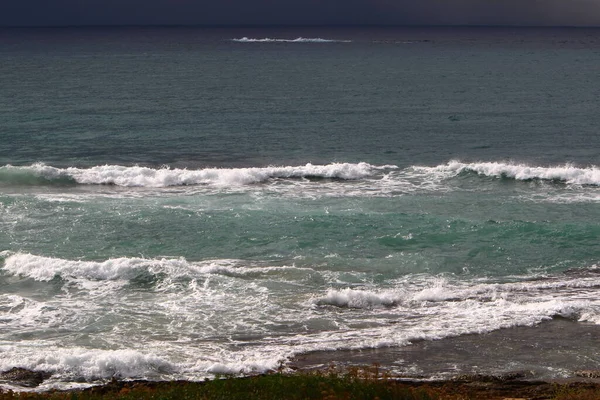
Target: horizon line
208	26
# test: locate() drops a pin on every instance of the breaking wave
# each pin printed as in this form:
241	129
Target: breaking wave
352	298
297	40
46	269
245	328
137	176
567	173
374	179
92	364
435	290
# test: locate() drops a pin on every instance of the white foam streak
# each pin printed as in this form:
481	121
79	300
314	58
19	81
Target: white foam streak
296	40
445	320
441	290
502	305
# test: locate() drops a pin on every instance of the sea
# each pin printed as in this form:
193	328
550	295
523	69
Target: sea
189	203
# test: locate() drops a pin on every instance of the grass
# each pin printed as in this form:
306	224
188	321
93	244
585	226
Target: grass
358	383
577	392
329	385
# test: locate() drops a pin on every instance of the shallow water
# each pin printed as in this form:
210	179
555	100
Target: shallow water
555	348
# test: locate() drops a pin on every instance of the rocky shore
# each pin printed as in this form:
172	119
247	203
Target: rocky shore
541	362
515	385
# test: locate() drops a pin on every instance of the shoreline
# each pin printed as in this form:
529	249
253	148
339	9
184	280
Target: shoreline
554	350
328	383
521	362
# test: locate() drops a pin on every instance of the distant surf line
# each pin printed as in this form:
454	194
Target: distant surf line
137	176
280	40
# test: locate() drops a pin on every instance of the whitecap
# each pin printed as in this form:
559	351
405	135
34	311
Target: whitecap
137	176
296	40
88	364
353	298
567	173
42	268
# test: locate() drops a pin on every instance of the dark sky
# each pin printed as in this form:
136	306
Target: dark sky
304	12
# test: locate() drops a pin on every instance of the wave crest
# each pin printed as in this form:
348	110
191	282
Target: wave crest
36	174
45	269
297	40
567	173
137	176
351	298
93	364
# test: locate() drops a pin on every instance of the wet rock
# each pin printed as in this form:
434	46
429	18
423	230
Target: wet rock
515	375
24	377
590	373
505	377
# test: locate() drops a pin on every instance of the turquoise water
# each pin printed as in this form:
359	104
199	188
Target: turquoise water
176	203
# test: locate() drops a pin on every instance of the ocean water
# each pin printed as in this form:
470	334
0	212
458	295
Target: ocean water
177	203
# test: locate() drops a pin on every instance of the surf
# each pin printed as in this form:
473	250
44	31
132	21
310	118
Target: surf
566	174
296	40
138	176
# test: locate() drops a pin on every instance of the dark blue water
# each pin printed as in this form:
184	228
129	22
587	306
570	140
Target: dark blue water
194	97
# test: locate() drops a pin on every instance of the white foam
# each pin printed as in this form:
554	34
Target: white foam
437	292
431	308
296	40
245	364
17	313
88	364
222	320
353	298
440	290
156	361
137	176
47	268
10	301
566	173
193	360
593	317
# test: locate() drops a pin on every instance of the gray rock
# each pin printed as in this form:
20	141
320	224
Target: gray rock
24	377
505	377
589	373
